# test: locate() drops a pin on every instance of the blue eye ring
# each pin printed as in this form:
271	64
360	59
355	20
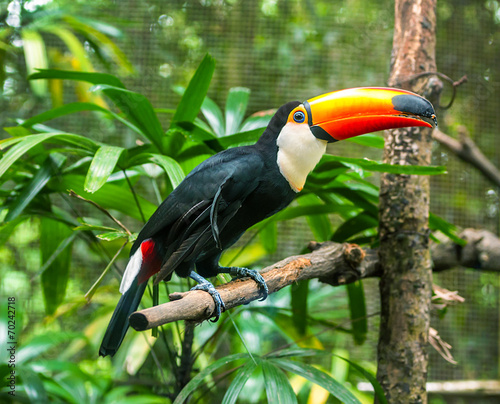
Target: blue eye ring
299	116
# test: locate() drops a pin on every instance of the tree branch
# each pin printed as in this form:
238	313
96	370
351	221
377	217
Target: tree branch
332	263
466	149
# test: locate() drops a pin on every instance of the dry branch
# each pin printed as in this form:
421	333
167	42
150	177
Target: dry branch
332	263
467	150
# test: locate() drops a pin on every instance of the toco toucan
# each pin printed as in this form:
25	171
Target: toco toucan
237	188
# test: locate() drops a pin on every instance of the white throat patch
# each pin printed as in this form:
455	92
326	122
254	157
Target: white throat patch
298	153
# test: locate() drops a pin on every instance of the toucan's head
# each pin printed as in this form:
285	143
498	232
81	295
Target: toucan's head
302	130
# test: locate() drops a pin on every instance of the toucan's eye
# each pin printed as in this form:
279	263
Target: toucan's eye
299	117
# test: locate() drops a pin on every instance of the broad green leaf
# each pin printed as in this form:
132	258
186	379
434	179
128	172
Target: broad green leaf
109	196
369	139
8	228
371	165
55	276
73	43
240	139
199	379
137	109
93	78
33	386
171	167
299	292
40	344
238	382
99	32
112	235
195	93
73	108
51	166
353	226
318	377
102	166
357	309
379	392
278	388
213	115
236	105
36	58
445	227
298	211
28	142
256	121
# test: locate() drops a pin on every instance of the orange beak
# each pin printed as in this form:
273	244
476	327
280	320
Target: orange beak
346	113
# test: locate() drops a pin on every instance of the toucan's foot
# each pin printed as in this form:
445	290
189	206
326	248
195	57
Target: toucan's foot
238	272
205	285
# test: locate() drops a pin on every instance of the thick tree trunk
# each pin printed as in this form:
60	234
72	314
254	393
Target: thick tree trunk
406	279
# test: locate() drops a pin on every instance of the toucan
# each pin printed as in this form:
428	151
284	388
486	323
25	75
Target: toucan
239	187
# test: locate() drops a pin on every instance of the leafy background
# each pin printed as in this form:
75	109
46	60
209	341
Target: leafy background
281	51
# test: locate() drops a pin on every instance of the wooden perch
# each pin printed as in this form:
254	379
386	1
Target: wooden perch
332	263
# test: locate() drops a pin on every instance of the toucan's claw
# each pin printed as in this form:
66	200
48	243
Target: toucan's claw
219	304
238	272
206	286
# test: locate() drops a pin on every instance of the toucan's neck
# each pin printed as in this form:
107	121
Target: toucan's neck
298	153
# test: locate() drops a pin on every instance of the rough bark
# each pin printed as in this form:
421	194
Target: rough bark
406	279
332	263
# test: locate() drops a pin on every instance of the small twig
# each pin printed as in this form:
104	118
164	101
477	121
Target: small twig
114	219
446	78
467	150
136	199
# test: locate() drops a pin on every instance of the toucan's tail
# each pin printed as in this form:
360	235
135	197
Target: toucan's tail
144	263
118	325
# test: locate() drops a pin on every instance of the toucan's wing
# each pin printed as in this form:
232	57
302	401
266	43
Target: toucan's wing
201	206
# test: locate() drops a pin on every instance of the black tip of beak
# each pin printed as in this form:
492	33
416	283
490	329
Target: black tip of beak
415	105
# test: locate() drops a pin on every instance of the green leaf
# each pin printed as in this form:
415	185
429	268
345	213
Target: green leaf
93	78
55	276
354	225
445	227
238	382
73	108
40	344
112	235
36	58
102	166
371	165
256	121
369	139
357	309
73	43
298	211
236	105
137	109
171	167
26	143
33	386
193	97
278	388
379	392
318	377
199	379
50	166
109	196
213	115
240	139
